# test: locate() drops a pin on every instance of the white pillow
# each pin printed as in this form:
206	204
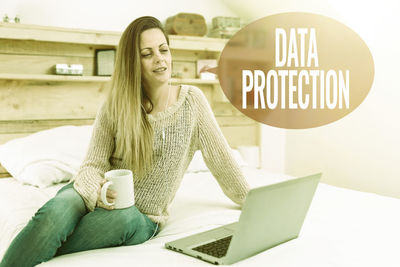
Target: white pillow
46	157
55	155
198	165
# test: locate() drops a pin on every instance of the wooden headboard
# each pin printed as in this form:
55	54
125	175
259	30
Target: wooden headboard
33	98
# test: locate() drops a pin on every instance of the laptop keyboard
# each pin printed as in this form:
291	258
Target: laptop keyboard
216	248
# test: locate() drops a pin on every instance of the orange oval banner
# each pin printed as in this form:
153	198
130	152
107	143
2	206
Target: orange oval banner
296	70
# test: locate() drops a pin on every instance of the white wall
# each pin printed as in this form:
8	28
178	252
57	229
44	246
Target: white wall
362	150
105	14
273	143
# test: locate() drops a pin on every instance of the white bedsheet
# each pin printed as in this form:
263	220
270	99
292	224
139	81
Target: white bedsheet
343	227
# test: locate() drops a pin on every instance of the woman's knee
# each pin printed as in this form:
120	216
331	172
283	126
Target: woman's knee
66	205
128	218
138	227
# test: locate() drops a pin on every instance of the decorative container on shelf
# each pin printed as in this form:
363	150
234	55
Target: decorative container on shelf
68	69
105	59
224	27
186	24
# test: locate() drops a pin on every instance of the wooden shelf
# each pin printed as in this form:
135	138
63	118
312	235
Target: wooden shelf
61	78
193	81
191	43
33	99
56	34
49	77
101	38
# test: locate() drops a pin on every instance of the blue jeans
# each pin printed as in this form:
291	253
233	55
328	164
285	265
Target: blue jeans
63	225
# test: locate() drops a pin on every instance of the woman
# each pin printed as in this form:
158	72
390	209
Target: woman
148	126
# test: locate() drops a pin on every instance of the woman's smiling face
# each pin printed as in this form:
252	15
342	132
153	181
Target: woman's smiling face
155	57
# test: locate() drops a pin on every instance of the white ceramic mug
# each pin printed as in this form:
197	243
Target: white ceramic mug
120	181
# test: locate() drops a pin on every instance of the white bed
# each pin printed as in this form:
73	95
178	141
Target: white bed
343	227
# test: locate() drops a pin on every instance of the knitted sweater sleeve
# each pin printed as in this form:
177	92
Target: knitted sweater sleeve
96	163
217	153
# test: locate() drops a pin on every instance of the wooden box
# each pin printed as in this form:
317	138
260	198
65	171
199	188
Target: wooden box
184	69
105	62
186	24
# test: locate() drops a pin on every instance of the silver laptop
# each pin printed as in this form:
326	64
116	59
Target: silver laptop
271	215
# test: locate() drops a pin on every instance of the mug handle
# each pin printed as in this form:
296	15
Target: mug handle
103	194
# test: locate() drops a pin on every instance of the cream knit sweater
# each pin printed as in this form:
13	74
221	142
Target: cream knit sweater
189	125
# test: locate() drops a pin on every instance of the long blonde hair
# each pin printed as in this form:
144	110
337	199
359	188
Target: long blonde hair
125	103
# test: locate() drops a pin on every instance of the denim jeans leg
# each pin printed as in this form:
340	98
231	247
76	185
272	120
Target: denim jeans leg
45	232
109	228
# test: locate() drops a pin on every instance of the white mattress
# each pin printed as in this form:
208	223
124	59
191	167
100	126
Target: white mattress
343	227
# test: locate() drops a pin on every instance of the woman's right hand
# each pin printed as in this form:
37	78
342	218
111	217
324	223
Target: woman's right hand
111	195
